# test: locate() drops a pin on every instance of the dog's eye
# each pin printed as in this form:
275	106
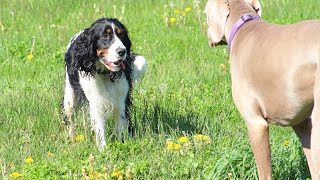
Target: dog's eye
108	30
119	31
105	35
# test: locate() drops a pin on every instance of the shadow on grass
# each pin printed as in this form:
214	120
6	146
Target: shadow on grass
237	160
157	118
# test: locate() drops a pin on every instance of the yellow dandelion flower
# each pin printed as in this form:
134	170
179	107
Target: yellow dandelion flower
116	174
30	56
176	146
94	175
79	138
222	66
29	160
286	143
50	154
183	14
173	146
170	145
202	137
188	9
205	138
198	136
183	139
172	20
176	11
15	175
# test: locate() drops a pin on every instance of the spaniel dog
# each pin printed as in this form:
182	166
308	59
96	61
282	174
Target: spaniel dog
101	70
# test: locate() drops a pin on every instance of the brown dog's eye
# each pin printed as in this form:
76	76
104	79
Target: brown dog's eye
108	30
119	31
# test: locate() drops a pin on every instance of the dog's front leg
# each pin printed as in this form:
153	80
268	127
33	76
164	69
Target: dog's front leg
68	108
97	115
259	139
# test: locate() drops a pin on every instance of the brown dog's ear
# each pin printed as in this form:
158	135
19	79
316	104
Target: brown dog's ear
256	6
217	12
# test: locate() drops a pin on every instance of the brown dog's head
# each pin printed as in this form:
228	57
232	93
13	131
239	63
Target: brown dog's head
217	13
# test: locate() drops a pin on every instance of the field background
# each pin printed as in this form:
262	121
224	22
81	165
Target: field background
186	92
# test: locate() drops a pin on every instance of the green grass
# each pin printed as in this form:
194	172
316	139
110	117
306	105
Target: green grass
186	91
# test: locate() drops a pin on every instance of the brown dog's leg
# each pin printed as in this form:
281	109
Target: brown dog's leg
315	131
259	139
315	143
303	131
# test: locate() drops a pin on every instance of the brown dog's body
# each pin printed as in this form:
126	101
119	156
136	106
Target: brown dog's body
275	77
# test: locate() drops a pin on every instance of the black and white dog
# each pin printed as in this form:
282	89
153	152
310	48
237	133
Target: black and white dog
101	70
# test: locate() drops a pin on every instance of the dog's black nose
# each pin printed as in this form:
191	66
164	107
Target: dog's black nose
121	52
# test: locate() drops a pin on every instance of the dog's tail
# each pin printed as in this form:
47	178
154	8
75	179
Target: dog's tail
139	67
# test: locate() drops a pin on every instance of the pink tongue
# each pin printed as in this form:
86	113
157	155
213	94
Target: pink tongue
123	67
106	63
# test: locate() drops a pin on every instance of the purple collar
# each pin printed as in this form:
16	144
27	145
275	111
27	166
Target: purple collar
245	18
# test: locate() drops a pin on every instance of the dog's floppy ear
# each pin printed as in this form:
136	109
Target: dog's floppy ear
256	6
83	52
217	12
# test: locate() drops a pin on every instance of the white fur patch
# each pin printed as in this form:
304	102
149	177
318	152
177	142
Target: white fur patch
139	68
113	56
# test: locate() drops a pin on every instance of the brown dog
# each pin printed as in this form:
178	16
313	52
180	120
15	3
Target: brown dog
275	76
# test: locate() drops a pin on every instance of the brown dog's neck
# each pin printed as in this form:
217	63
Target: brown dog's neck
237	8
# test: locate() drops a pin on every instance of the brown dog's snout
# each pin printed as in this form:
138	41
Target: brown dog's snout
210	41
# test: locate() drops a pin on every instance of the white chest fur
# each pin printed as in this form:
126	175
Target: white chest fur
103	92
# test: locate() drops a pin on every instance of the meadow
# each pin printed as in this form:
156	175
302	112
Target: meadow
186	124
